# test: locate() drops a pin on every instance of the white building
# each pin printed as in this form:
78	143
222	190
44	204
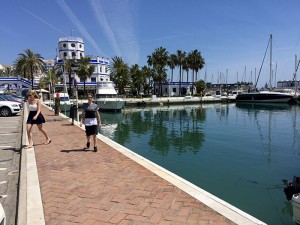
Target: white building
73	48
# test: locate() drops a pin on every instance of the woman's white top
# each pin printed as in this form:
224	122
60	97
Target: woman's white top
32	107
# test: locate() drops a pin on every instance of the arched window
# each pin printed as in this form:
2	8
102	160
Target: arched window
73	45
64	45
65	54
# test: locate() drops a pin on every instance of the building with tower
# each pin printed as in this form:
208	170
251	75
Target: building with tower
72	48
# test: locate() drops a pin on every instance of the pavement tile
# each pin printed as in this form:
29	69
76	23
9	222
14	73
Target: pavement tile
87	188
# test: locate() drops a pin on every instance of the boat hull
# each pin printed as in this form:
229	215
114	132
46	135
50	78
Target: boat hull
270	97
116	104
296	207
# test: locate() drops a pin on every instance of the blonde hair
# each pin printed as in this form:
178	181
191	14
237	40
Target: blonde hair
34	93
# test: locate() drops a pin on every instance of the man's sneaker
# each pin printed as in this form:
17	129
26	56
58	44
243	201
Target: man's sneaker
87	146
95	149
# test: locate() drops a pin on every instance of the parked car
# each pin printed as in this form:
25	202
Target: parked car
12	97
8	108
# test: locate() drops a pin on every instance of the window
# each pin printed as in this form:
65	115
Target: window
73	45
65	54
174	90
93	79
82	80
64	45
73	54
80	46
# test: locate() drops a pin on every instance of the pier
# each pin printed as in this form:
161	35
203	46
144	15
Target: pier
63	184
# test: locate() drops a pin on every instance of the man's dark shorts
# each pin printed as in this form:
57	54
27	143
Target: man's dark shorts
91	130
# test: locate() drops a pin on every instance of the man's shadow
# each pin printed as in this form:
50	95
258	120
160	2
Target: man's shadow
76	150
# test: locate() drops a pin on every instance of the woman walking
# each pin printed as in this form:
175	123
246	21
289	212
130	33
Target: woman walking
90	116
35	117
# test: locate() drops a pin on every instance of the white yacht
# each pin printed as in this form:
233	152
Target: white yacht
107	98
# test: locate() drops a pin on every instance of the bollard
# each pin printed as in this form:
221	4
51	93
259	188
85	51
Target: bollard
73	113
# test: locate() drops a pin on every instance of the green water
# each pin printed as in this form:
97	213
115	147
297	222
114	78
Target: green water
240	153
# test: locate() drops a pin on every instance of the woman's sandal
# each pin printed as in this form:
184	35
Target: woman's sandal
48	142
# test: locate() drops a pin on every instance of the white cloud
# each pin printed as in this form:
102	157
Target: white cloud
116	19
43	21
79	25
104	24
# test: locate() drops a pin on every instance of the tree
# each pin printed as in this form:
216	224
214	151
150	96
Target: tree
200	86
186	67
172	64
20	66
50	78
138	78
158	60
179	62
29	62
160	75
85	70
120	73
7	71
196	62
69	64
148	73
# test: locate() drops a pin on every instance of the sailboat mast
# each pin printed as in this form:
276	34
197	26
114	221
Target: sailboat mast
270	84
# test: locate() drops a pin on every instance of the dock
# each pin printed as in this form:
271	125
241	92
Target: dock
63	184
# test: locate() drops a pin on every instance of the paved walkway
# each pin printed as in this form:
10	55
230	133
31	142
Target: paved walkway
88	188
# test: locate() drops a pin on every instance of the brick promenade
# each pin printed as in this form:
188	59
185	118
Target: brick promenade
87	188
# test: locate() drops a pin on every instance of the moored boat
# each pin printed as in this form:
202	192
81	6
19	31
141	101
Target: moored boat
107	98
264	97
292	192
268	96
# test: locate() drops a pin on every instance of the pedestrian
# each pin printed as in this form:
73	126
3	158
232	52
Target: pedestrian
91	118
35	117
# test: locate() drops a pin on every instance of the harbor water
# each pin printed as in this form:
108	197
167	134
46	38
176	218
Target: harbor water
238	152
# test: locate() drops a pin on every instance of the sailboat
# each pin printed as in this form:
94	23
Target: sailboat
266	96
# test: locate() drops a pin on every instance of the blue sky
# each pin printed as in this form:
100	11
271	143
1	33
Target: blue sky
232	35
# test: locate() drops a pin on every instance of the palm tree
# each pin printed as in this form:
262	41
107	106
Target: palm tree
120	73
158	60
186	67
29	62
138	78
50	78
196	63
20	67
172	64
179	62
68	68
148	73
85	69
160	75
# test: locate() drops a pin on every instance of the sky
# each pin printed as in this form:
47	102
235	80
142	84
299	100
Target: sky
232	35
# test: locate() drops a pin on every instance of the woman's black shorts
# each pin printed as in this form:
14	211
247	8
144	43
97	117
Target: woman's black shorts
91	130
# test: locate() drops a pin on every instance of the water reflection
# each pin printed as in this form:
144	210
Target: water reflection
169	128
226	149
